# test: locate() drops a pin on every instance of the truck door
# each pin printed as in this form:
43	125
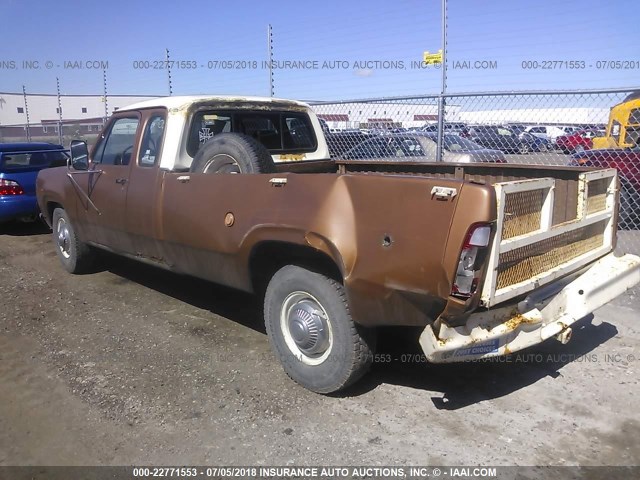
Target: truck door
107	185
142	212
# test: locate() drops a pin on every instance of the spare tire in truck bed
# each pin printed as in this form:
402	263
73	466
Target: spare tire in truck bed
232	153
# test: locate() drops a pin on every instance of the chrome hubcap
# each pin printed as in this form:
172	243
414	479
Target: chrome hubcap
306	328
63	238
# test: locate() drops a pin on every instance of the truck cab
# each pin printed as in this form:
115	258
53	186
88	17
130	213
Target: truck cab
623	127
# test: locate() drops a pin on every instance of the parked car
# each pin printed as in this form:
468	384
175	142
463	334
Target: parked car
516	128
340	142
627	163
499	138
578	141
535	144
422	147
19	167
459	128
549	132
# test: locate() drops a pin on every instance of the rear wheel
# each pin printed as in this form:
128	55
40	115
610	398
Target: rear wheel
75	256
312	333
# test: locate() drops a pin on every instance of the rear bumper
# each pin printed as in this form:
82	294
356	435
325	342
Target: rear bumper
17	206
546	313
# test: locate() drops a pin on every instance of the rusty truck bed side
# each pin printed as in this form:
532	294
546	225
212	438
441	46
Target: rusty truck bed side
395	245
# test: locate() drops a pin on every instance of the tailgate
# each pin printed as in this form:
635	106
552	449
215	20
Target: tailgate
530	251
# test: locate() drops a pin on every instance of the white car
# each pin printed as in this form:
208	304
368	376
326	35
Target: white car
549	132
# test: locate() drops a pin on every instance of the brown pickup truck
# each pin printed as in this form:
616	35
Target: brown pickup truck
488	258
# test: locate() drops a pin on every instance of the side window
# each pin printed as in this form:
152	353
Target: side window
615	131
632	136
152	141
116	147
298	132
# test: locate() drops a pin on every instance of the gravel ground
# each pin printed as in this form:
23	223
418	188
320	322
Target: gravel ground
132	365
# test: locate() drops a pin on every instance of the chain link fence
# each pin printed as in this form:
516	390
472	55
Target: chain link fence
599	128
53	132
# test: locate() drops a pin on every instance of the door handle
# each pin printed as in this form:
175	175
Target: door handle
121	181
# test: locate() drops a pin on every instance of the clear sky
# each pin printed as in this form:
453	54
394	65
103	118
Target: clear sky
507	32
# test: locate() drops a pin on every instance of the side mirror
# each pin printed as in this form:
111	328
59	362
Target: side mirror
79	155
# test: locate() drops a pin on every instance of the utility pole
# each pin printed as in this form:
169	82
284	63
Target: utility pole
59	112
106	102
168	71
443	86
270	57
26	111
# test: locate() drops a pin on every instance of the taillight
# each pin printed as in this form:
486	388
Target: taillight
9	187
472	256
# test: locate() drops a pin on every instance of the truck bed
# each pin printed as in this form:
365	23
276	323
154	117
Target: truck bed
566	179
550	221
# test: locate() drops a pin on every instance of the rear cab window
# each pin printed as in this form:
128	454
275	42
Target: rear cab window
279	132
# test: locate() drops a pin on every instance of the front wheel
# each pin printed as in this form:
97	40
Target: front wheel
75	256
312	333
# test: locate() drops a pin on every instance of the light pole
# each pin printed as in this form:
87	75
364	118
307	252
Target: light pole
270	56
443	85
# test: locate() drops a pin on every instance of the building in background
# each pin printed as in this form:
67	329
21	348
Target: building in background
82	115
368	115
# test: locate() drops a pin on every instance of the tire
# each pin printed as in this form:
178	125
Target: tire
232	153
75	256
314	303
523	149
542	148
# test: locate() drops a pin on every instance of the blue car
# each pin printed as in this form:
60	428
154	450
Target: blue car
19	167
535	144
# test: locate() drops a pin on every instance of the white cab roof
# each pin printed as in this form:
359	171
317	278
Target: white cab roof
179	102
